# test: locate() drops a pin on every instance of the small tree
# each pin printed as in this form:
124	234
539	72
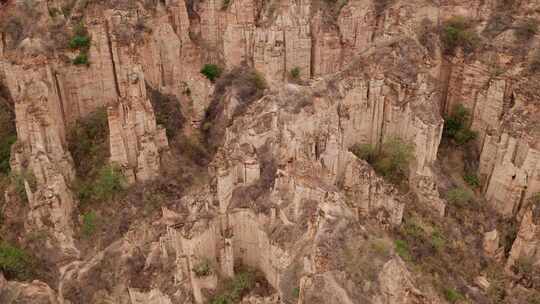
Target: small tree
211	71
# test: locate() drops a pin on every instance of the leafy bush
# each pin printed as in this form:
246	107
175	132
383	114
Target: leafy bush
236	288
458	32
437	240
452	295
526	29
366	152
211	71
456	126
81	59
110	182
15	263
459	196
402	249
89	223
472	180
392	162
79	42
295	73
202	269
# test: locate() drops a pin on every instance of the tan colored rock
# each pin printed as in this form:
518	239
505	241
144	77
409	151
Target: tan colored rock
527	243
40	156
135	139
491	243
482	282
35	292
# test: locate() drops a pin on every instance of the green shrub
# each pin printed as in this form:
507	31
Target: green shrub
456	126
459	196
295	73
79	42
392	161
89	223
437	240
81	59
402	249
458	32
452	295
296	292
526	30
15	263
472	180
366	152
211	71
110	182
202	269
236	288
456	121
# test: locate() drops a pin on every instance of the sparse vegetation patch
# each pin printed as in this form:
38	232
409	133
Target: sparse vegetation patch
458	32
211	71
241	284
15	263
391	161
456	126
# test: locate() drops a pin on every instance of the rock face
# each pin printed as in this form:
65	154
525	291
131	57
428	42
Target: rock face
136	141
40	157
264	174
